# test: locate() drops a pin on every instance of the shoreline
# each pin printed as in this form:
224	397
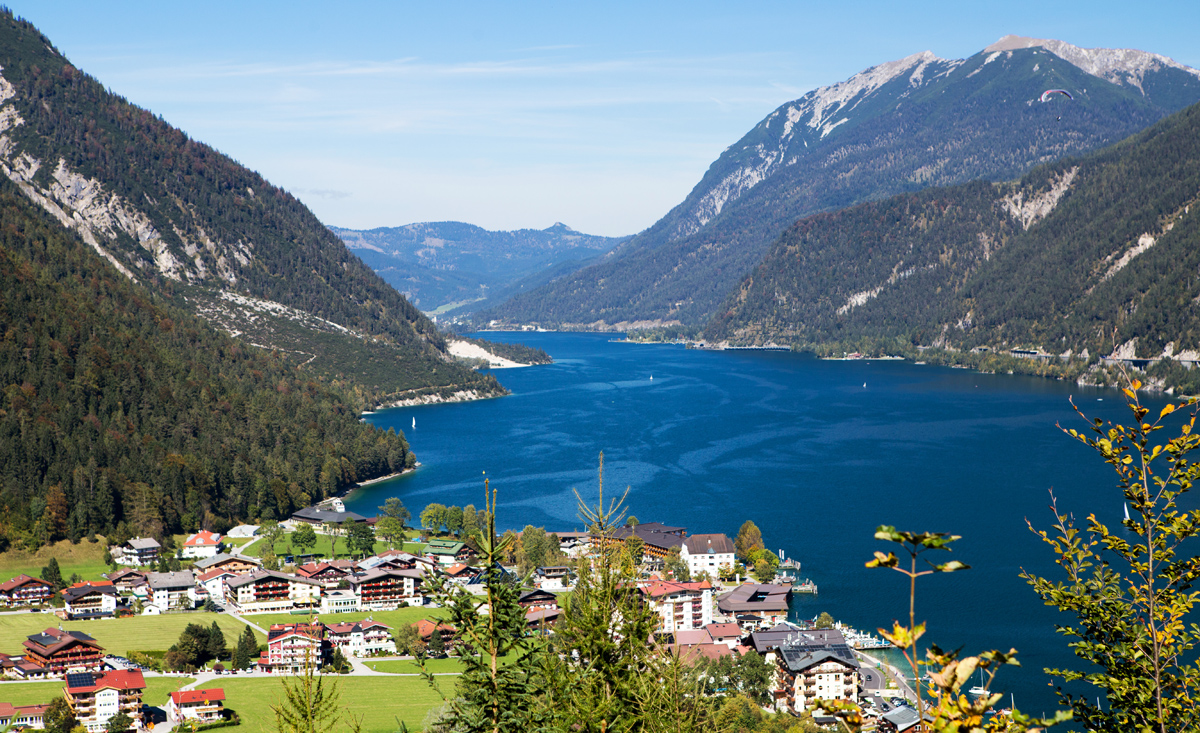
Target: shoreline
372	481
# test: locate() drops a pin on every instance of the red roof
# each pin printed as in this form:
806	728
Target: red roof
214	573
19	581
117	679
203	538
191	697
666	588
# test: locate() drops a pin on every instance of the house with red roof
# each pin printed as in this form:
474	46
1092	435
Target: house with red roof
25	590
362	638
290	647
383	589
97	697
23	716
329	574
680	605
202	544
59	652
203	706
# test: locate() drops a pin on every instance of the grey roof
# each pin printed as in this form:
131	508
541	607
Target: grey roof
313	514
790	635
701	544
208	562
178	580
377	573
902	716
74	593
799	658
144	543
653	534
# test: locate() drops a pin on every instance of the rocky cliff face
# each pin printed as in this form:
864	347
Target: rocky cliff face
177	216
899	126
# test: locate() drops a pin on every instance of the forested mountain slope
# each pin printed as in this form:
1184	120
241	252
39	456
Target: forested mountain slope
897	127
183	219
455	267
120	406
1099	253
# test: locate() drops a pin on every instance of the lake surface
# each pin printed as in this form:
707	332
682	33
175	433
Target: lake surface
817	453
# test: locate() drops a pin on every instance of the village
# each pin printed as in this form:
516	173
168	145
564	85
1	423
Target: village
706	609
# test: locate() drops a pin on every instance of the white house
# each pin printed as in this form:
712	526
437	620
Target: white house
202	544
707	553
680	605
171	590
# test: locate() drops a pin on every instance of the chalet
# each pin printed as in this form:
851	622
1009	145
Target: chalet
126	579
96	697
202	706
810	669
448	552
202	544
88	600
269	590
22	716
382	589
61	651
708	554
657	539
680	605
537	599
425	629
459	573
236	564
17	667
542	617
329	574
170	591
757	605
693	644
292	647
554	577
138	551
213	581
362	638
25	590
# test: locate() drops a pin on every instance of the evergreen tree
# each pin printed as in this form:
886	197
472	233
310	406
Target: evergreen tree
216	642
52	575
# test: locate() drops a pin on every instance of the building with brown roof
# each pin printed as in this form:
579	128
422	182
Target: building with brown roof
328	573
757	605
264	591
708	554
290	647
22	716
25	590
386	589
88	600
97	697
657	538
362	638
61	651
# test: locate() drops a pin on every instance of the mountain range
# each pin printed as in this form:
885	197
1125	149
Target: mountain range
180	218
1086	256
897	127
451	267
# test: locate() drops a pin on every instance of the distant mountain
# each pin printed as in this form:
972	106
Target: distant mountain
897	127
186	221
455	267
1090	255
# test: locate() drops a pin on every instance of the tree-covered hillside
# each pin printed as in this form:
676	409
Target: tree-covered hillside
1095	253
895	128
119	406
185	219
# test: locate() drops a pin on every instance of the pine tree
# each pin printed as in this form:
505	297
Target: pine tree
216	642
52	575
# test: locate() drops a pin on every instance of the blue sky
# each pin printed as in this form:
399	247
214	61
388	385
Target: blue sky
509	115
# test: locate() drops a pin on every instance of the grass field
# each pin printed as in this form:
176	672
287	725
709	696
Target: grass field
38	693
119	636
407	666
380	700
323	547
85	558
395	619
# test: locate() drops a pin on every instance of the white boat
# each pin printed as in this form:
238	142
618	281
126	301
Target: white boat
978	690
414	427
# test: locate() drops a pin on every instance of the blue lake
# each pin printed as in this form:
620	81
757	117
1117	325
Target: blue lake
817	453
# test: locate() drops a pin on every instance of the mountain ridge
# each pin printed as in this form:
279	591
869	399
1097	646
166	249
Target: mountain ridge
894	127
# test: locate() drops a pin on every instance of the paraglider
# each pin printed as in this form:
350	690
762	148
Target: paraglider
1051	92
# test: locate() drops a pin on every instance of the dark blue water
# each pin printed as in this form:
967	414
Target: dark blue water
804	449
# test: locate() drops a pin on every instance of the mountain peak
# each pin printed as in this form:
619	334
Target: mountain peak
1124	66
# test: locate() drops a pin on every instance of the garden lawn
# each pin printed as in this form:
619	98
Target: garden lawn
121	635
86	559
395	619
433	666
39	693
379	700
323	548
